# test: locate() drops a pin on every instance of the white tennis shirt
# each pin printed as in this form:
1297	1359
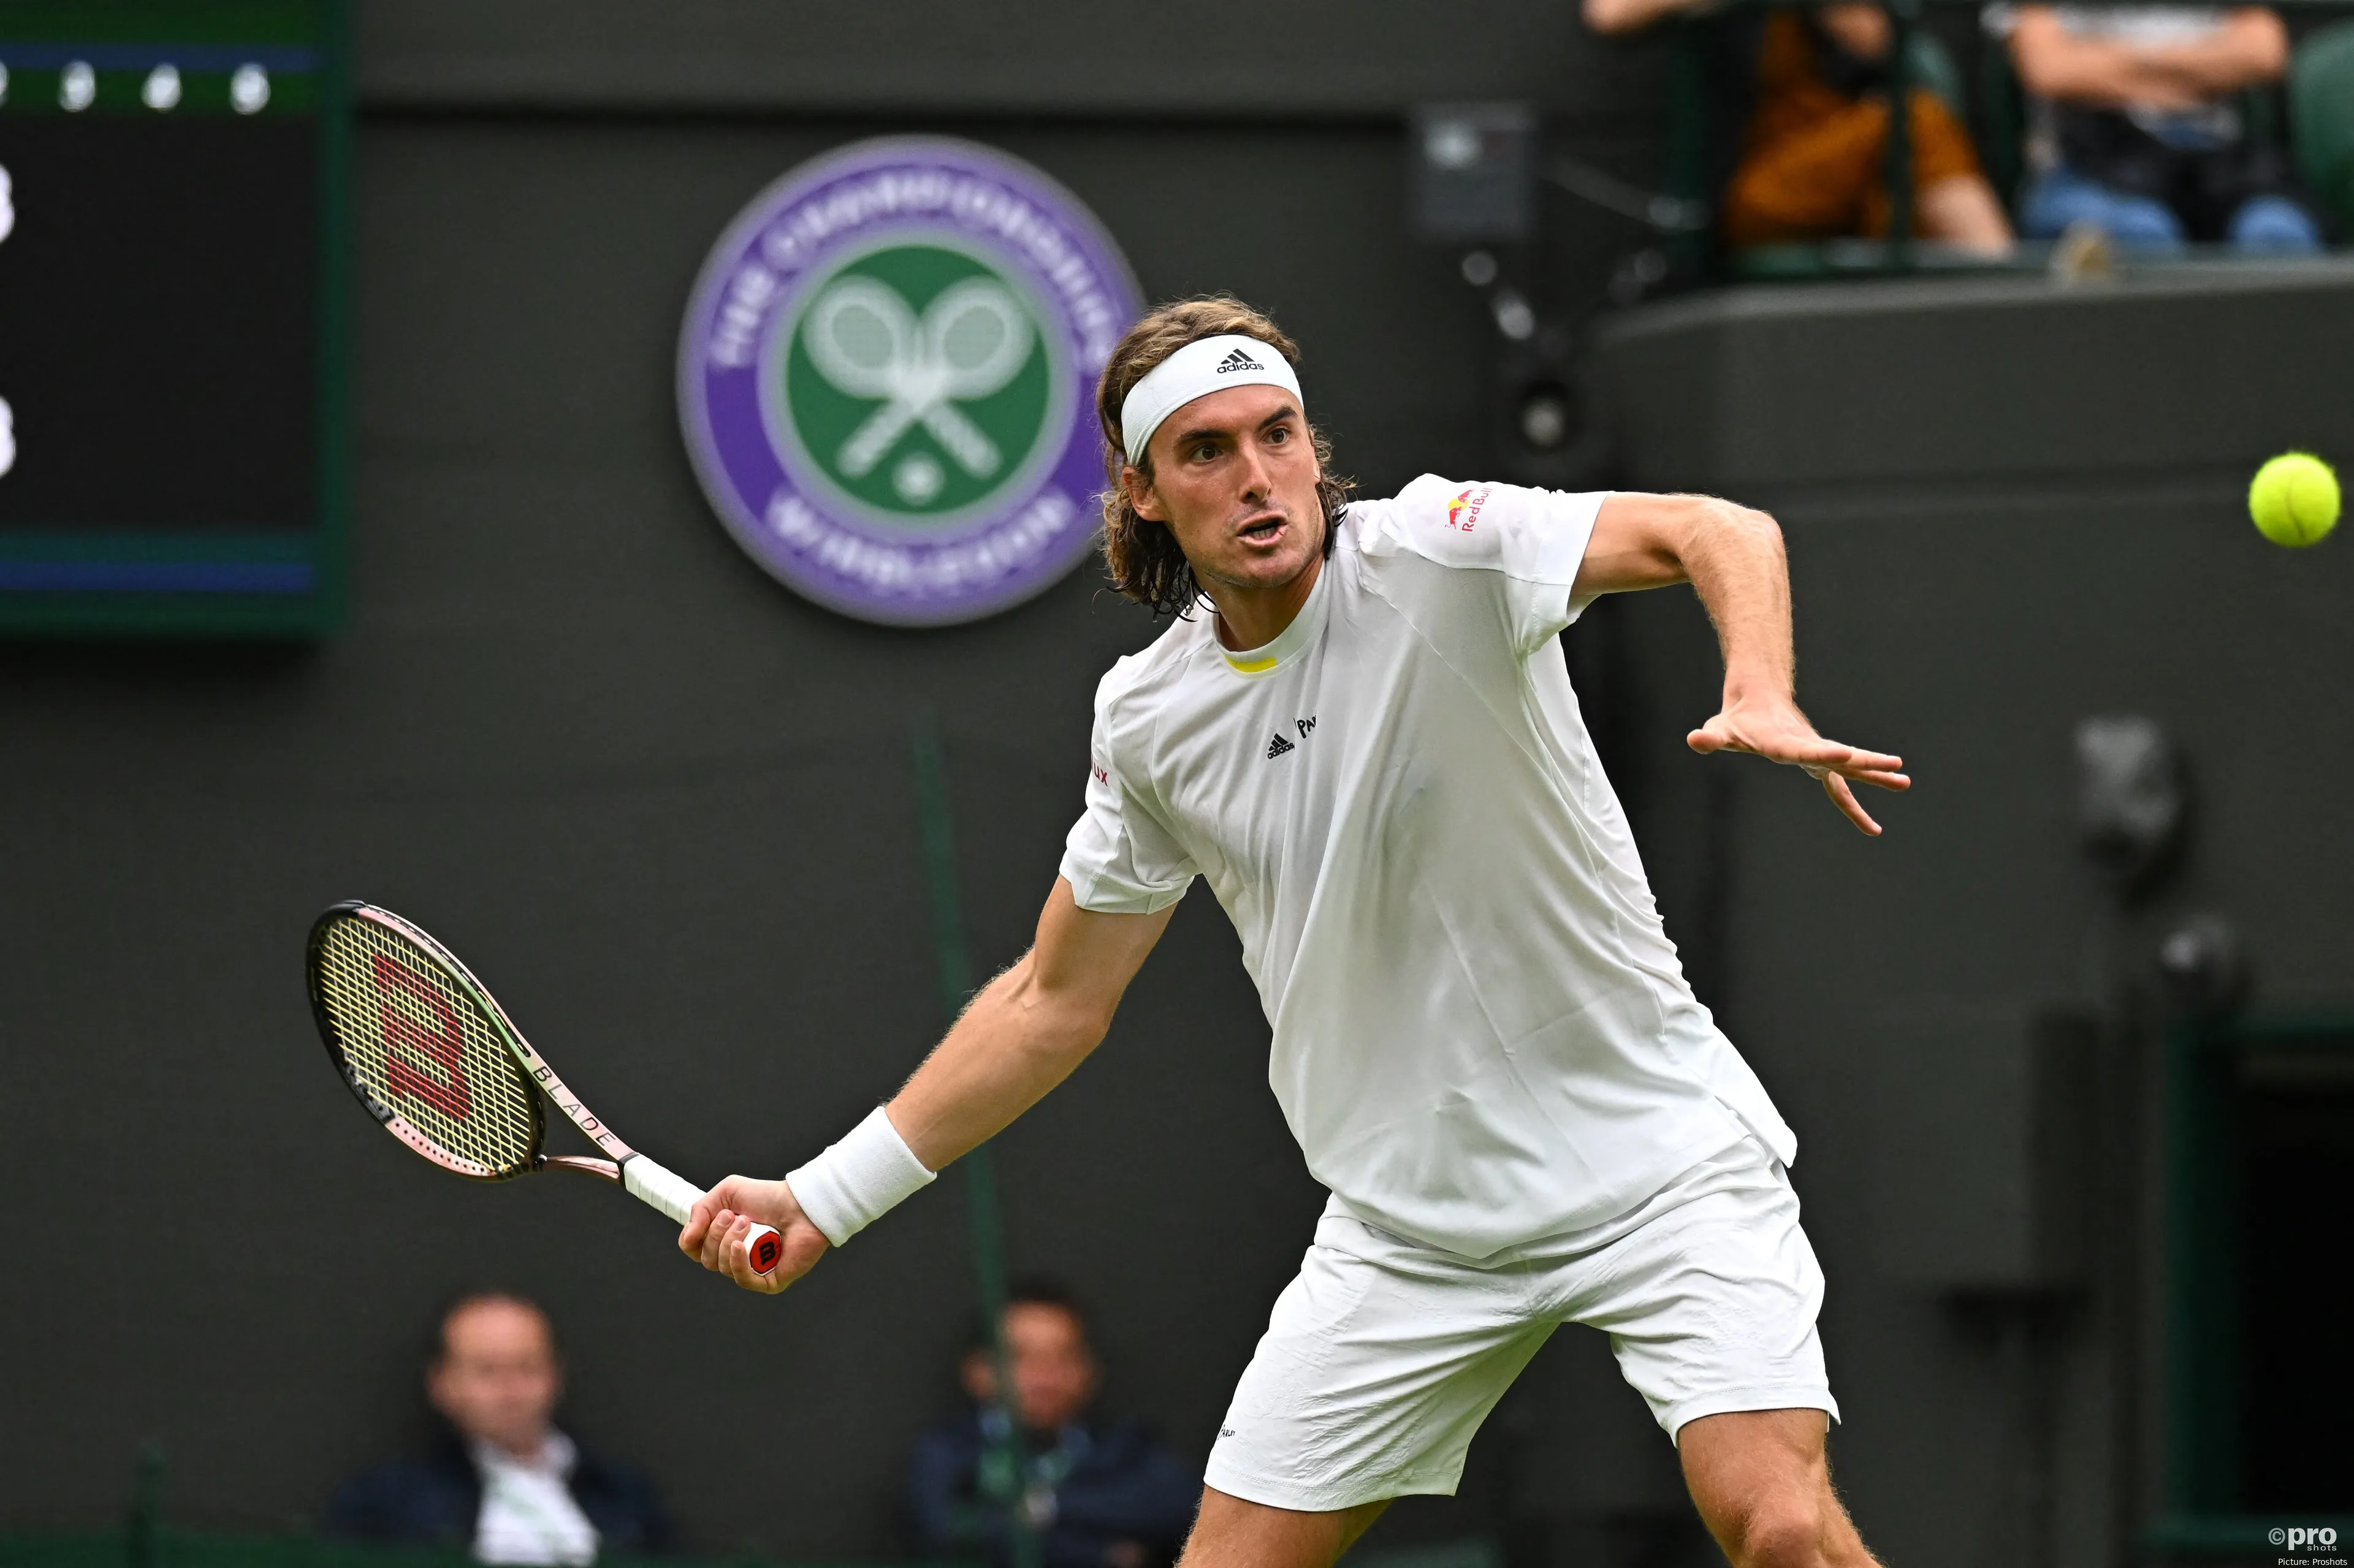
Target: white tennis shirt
1481	1034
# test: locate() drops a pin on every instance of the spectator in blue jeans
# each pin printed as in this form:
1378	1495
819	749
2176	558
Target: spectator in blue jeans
2135	126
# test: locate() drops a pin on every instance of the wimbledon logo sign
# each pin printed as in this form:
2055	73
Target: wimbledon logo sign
886	378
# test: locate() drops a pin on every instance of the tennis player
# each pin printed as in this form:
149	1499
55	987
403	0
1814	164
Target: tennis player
1482	1040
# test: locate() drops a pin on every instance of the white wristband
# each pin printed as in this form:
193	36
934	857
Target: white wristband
858	1181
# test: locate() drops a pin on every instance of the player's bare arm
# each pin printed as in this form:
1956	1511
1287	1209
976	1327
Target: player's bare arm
1026	1030
1733	557
1026	1033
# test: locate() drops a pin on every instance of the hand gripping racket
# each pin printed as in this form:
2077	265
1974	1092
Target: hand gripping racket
431	1054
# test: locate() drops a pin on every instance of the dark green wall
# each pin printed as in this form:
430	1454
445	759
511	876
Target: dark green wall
1305	59
665	807
2008	508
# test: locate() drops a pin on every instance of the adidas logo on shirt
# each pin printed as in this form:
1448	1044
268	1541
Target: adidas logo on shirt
1237	360
1277	746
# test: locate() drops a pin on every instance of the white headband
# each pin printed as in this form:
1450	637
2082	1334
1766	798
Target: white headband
1206	365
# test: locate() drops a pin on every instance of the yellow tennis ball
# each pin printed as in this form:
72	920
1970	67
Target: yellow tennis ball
2295	500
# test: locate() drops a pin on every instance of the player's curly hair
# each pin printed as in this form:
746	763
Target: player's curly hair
1141	554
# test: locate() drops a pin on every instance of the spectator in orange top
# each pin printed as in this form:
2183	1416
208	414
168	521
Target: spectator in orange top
1813	162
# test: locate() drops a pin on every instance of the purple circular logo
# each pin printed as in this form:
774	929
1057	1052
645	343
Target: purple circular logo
886	378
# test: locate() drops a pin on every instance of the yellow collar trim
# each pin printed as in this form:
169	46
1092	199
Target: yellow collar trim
1305	627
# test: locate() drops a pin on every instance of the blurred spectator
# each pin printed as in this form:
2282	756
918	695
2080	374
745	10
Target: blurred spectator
501	1481
1100	1494
2137	127
1814	160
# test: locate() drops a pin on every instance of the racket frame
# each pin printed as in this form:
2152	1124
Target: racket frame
646	1180
399	1126
534	1066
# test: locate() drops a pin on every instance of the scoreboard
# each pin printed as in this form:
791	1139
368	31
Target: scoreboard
173	208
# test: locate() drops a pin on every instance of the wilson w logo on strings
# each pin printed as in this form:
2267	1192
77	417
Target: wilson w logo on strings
408	1044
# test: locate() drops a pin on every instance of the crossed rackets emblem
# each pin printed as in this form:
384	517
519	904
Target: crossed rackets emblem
867	341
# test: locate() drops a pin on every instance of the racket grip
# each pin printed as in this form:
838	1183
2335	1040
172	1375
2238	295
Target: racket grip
675	1195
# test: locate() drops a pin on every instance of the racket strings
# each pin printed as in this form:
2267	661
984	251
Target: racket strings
416	1040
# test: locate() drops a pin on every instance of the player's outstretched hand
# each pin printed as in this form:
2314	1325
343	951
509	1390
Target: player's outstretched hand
718	1232
1777	731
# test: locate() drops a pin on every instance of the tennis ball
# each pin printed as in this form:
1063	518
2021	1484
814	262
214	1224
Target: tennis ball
2295	500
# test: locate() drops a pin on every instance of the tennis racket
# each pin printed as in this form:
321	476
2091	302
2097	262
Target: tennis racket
432	1057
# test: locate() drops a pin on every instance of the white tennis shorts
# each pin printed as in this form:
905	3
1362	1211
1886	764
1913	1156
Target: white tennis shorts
1382	1358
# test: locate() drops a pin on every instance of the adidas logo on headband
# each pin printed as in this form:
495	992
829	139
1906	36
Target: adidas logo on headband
1206	365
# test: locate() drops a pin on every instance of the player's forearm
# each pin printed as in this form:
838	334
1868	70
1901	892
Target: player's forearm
1733	557
1017	1040
1021	1035
1014	1043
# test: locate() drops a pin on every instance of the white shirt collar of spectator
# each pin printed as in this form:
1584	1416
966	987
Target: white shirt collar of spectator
529	1514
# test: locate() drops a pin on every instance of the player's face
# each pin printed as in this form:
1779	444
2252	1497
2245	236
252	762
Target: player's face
497	1379
1233	477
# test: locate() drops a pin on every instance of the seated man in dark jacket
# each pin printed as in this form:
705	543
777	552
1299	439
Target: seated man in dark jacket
501	1481
1099	1494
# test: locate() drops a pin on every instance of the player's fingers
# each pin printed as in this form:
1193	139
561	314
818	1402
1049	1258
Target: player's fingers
710	1229
1813	753
1803	748
1859	760
1799	747
731	1250
698	1224
1844	798
1713	737
739	1257
714	1254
